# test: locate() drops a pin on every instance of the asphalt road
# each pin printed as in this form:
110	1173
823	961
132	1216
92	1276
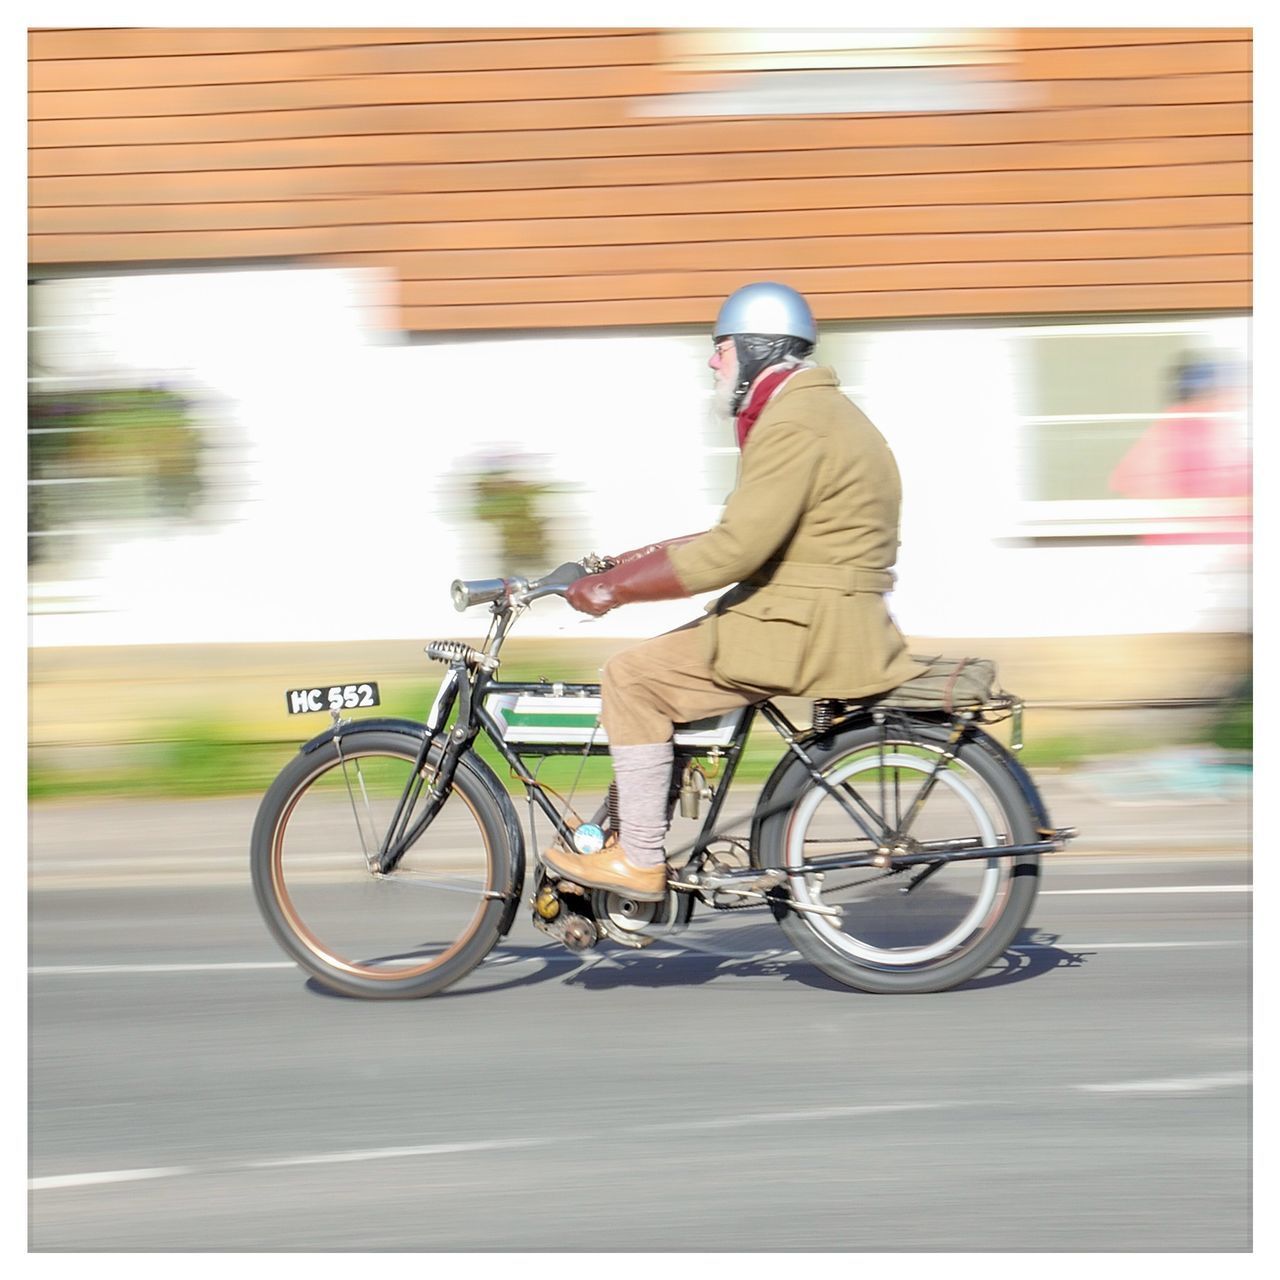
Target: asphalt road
191	1090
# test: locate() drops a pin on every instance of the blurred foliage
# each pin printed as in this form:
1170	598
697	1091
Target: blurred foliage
137	443
513	507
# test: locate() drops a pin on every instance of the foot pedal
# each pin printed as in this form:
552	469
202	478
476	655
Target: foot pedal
1058	835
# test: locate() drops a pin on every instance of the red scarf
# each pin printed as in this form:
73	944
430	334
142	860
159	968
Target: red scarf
760	396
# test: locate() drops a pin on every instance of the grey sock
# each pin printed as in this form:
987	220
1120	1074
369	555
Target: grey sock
644	783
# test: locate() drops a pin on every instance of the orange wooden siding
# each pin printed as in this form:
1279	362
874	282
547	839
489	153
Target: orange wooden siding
519	179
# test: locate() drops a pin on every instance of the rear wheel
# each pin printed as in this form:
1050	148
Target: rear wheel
891	936
405	934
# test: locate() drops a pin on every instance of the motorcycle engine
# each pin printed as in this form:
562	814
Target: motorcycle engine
555	914
637	924
623	919
579	918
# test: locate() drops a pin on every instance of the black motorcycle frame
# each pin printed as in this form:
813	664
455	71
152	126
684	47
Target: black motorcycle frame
470	681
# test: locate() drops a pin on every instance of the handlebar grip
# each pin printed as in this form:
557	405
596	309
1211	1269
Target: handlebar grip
484	590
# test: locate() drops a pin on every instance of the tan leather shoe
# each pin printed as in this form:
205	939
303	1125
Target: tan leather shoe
609	869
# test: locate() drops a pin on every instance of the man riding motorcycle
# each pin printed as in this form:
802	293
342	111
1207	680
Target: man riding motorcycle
809	535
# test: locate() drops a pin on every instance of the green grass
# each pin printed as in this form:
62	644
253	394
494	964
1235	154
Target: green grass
1233	731
199	761
213	759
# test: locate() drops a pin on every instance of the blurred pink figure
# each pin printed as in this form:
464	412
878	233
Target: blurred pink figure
1197	449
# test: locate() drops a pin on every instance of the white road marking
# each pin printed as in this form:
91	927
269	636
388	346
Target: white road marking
395	1153
1122	946
190	862
452	1148
47	970
551	957
1160	888
1228	842
789	1117
1186	1084
107	1175
737	1121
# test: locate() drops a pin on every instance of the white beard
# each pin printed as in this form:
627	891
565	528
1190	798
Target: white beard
722	400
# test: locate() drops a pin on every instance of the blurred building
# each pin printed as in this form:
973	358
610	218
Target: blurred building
294	290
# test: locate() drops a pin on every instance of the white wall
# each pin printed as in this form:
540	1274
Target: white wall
351	524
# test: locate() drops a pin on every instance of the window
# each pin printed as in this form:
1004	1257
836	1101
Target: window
808	72
1135	429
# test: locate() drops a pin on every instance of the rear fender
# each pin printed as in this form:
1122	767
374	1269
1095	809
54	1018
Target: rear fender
1017	770
789	766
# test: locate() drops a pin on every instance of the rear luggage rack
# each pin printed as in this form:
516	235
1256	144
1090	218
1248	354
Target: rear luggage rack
951	686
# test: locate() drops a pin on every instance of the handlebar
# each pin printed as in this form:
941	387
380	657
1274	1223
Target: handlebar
519	591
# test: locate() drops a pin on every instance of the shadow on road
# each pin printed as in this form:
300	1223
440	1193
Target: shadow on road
501	971
1033	954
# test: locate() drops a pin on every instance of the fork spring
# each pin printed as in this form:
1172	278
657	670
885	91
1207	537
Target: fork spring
448	651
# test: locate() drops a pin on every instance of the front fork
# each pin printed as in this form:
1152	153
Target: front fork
460	689
400	836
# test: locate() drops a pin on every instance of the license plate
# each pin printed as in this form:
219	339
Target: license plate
332	697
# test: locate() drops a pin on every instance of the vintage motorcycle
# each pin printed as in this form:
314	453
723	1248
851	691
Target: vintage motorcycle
896	842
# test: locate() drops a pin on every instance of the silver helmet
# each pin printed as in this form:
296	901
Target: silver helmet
768	322
766	308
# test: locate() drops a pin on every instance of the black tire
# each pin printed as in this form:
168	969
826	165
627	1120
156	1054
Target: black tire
402	936
957	922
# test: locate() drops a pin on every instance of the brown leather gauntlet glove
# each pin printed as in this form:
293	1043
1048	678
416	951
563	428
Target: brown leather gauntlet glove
650	576
626	557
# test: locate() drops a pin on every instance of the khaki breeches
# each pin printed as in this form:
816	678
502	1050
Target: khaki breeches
662	682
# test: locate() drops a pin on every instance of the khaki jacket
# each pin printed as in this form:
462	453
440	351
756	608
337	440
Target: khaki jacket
810	534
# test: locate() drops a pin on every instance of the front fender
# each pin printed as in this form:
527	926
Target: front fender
484	775
515	833
414	728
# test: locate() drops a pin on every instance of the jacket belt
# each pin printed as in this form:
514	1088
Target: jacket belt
824	577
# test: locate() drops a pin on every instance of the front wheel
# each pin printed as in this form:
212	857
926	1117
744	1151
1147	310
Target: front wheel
405	934
891	935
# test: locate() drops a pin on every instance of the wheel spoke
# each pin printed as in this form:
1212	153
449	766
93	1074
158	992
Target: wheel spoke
419	880
356	812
